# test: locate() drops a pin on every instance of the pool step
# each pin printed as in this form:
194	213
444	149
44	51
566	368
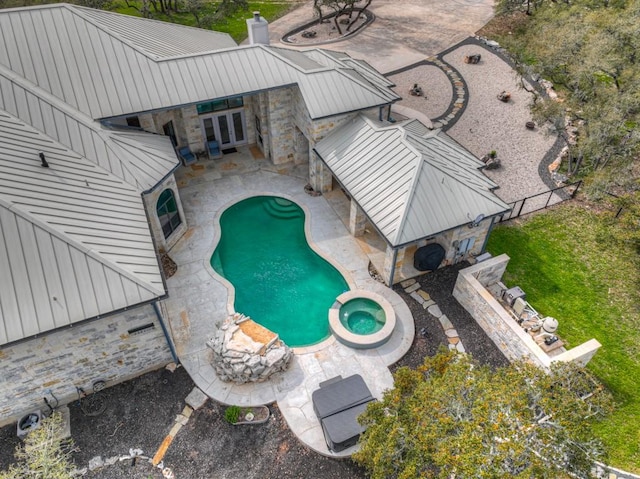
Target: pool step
281	208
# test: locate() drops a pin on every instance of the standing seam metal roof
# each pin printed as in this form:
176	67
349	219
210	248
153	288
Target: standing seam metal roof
87	60
410	187
74	238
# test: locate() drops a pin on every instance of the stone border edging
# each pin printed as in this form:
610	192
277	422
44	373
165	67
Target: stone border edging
413	289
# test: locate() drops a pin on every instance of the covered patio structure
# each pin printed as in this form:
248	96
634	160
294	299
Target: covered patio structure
414	187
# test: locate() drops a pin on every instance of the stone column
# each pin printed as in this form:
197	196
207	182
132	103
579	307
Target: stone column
320	176
357	219
389	262
192	130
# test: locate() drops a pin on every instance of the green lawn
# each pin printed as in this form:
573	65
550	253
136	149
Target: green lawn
571	268
235	25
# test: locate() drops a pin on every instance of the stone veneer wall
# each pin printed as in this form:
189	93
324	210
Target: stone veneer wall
151	201
470	291
77	356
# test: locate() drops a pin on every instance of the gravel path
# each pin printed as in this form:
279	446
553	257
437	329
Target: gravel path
485	123
490	124
438	92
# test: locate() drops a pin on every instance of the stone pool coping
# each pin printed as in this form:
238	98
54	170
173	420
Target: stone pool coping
361	341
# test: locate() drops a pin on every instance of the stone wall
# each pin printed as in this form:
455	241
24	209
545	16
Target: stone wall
77	356
472	293
151	201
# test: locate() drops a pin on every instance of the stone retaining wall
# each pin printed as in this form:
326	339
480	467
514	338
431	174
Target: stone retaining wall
471	292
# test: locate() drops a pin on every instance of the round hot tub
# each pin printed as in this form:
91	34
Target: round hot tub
362	319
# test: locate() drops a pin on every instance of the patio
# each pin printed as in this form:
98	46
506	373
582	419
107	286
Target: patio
199	300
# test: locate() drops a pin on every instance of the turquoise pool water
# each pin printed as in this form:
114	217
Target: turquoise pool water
362	316
279	281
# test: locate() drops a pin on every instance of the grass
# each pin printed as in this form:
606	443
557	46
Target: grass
571	268
234	25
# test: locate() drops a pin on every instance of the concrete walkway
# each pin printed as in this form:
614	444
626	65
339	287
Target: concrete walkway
403	33
198	298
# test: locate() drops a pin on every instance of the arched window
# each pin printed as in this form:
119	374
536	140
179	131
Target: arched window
168	212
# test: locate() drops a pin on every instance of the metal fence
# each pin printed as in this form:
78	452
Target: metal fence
541	201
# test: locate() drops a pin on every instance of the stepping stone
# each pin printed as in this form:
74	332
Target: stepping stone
408	282
412	288
460	347
417	297
444	321
196	398
451	333
424	294
435	311
426	304
452	347
455	340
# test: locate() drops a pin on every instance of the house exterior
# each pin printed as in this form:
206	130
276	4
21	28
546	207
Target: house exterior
93	106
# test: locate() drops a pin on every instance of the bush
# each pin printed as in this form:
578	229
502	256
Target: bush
232	414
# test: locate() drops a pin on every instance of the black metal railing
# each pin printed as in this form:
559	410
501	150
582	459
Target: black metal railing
541	201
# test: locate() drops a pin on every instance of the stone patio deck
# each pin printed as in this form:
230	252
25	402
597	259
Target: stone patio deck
199	299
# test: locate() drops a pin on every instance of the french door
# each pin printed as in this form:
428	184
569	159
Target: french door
227	128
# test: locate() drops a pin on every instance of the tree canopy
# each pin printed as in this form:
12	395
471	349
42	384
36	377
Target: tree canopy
454	418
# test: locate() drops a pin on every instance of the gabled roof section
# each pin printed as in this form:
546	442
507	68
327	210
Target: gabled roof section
104	65
74	239
410	187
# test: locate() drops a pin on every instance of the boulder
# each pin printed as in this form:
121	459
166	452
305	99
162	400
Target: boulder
244	351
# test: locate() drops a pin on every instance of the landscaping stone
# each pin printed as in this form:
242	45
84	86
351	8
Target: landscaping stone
244	351
408	282
444	321
428	303
435	311
417	297
451	333
412	288
196	398
424	295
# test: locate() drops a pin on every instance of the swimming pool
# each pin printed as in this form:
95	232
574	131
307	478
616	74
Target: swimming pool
279	281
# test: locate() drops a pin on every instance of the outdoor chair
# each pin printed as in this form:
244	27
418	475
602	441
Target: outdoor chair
213	149
186	155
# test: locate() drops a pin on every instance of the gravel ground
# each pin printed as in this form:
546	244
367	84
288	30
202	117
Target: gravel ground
438	92
490	124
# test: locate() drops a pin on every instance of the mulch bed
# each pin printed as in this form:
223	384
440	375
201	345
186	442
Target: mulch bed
141	412
429	333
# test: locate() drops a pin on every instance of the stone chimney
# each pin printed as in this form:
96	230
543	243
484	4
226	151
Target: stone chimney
258	29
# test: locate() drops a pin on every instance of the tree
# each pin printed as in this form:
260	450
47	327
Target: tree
452	418
44	454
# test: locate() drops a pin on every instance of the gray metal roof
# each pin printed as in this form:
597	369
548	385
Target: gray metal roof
410	187
102	64
140	159
74	238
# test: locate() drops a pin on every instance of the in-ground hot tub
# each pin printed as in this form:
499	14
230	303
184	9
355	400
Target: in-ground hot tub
362	319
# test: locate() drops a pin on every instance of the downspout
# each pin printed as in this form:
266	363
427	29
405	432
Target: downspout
486	237
166	333
393	268
380	113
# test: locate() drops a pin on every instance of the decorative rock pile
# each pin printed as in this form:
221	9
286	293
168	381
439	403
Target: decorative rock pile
244	351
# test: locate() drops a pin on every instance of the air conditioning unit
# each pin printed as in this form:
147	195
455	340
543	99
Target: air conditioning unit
511	294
